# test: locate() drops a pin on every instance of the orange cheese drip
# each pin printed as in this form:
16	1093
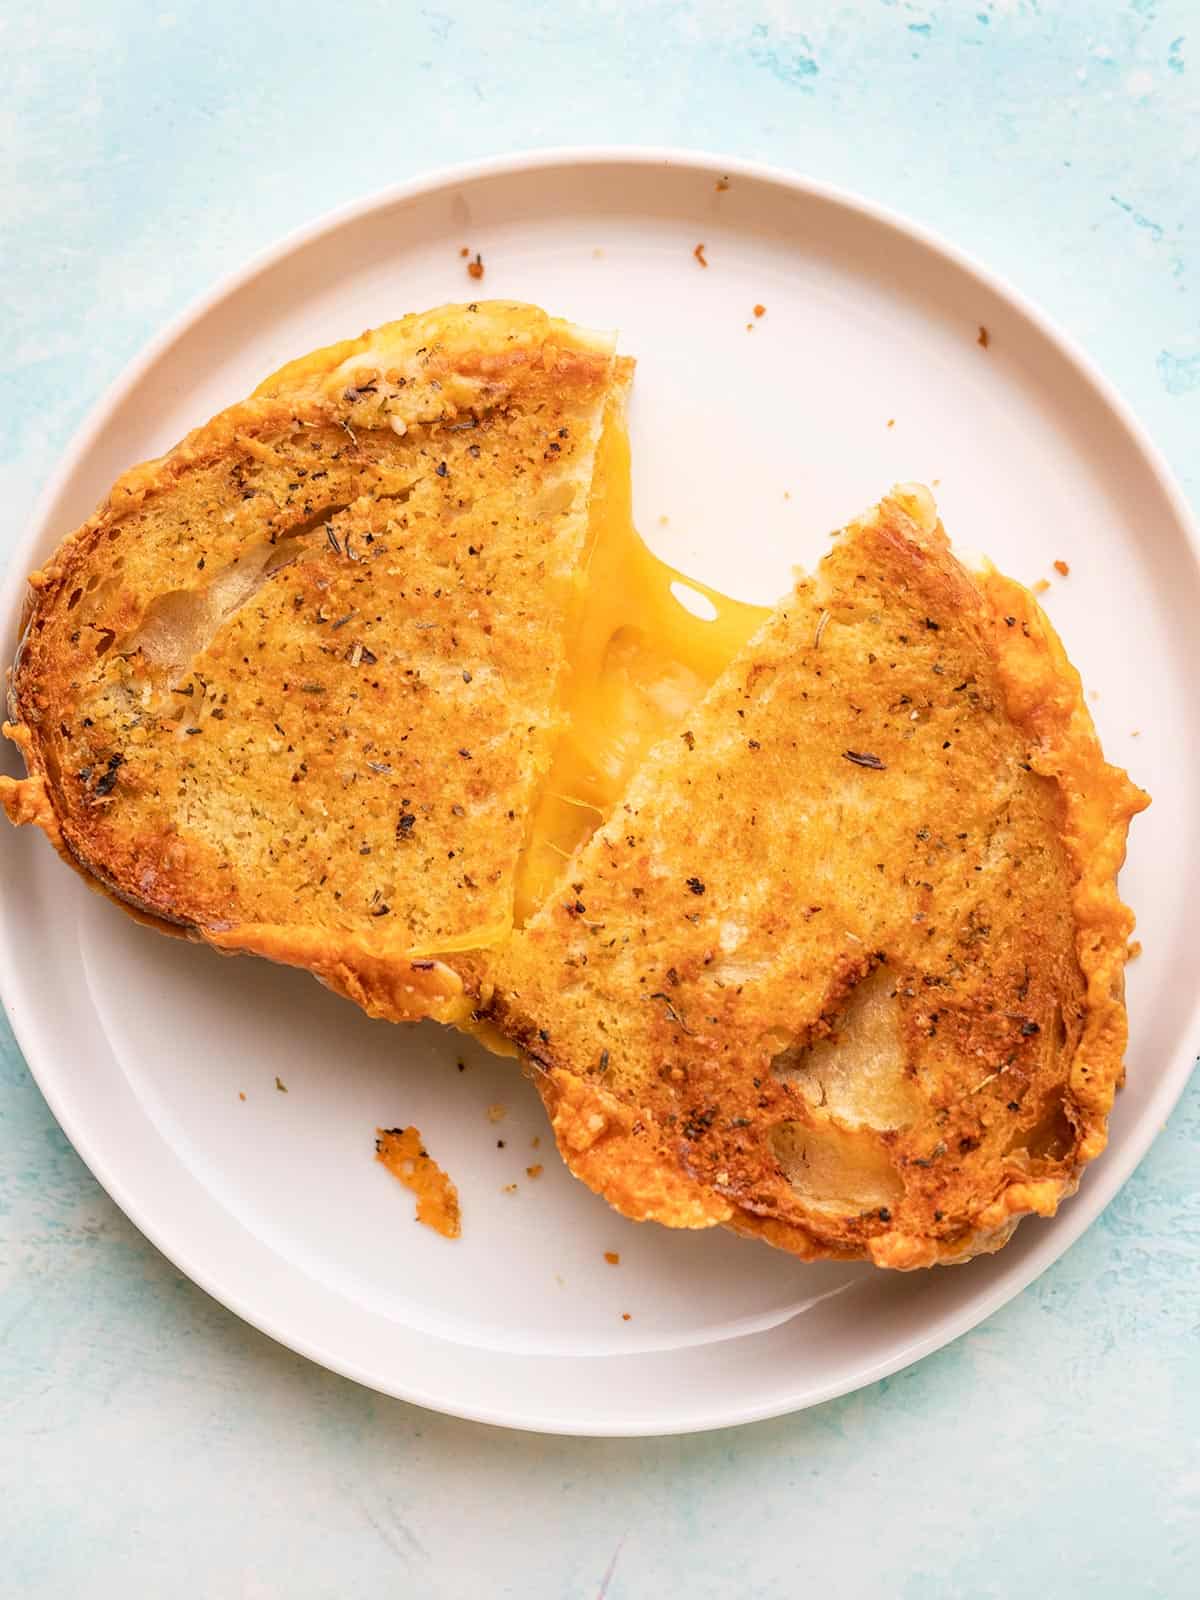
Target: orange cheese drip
649	642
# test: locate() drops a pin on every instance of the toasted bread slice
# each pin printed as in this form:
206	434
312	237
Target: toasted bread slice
844	968
293	688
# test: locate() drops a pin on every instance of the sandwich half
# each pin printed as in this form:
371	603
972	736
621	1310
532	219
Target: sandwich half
843	968
296	686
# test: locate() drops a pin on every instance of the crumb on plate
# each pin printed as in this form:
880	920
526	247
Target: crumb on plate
280	1085
613	1257
401	1151
1062	569
698	252
984	338
497	1113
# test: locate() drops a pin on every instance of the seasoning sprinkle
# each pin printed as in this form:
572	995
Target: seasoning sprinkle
672	1014
863	758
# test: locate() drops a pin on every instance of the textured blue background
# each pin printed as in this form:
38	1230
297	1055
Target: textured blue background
152	1444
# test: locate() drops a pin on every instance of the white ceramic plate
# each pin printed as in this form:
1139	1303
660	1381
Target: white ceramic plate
865	368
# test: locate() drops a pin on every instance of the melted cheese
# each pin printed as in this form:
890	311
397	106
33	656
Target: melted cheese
648	643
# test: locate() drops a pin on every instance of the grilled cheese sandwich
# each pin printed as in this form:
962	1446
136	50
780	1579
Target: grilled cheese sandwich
843	969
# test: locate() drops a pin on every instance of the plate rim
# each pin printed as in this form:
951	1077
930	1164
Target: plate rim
1118	1166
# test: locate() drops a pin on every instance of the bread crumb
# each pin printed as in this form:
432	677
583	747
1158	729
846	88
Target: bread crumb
535	1171
475	268
403	1153
497	1113
698	252
280	1085
722	185
749	327
499	1144
241	1094
787	494
1063	568
613	1258
891	422
760	311
461	1064
509	1188
597	254
625	1317
1041	586
663	520
535	1141
465	251
1136	734
984	338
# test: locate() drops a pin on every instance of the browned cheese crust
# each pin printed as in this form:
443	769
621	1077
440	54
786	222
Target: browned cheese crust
845	969
291	690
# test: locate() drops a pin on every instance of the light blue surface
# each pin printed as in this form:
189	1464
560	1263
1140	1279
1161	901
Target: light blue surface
150	1443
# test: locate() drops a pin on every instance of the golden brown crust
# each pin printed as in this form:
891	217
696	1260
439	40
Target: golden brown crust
598	1138
844	970
294	685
